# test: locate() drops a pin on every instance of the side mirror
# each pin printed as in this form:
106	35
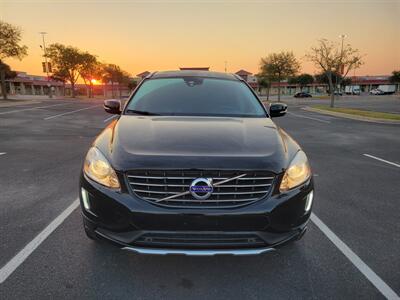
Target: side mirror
277	109
112	106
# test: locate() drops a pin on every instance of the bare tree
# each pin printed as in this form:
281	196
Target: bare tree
10	39
332	59
279	66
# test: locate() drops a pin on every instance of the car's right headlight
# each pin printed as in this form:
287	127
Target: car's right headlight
97	168
298	172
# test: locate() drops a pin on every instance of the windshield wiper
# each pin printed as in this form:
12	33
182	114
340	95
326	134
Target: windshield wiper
140	112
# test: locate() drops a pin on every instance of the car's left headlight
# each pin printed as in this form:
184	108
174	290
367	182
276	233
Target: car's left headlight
298	172
97	168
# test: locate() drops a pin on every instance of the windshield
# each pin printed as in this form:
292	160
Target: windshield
195	96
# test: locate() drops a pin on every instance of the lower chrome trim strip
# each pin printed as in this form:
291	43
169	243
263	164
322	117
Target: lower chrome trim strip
200	252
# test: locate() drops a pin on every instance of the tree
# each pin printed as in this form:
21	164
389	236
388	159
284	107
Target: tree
336	79
90	69
302	80
7	73
10	39
114	74
66	60
331	59
111	73
132	84
123	79
264	82
280	66
60	76
395	78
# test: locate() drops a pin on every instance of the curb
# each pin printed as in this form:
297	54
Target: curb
352	117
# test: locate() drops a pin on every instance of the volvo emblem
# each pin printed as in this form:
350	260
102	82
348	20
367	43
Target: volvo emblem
201	188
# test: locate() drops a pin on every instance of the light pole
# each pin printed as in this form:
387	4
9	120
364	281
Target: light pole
225	65
46	64
342	36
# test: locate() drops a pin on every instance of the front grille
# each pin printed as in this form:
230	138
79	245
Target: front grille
154	185
199	240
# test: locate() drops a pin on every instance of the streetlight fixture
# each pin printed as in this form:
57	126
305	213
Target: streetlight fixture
342	36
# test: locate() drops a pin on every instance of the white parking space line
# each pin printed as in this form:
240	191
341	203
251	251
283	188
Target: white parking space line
22	255
306	117
355	260
108	119
382	160
31	108
70	112
2	153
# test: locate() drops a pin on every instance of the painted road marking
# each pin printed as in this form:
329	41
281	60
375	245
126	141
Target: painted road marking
32	108
70	112
355	260
108	119
381	159
306	117
22	255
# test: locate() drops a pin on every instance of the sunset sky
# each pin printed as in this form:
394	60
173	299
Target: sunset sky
164	35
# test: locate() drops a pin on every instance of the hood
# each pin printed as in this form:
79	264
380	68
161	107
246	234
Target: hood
169	142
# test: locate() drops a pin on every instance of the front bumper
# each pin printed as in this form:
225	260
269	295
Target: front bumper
138	226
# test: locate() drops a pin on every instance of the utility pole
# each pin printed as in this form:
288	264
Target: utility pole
46	64
225	65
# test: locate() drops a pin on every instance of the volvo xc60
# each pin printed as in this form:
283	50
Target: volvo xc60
193	164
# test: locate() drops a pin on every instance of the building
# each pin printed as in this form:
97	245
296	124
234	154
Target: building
26	84
35	85
244	74
366	83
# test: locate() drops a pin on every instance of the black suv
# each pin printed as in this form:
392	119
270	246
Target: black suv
194	165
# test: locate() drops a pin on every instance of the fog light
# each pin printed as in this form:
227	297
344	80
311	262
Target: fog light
309	201
85	199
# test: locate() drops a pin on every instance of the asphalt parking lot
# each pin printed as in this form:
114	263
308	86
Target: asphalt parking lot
351	249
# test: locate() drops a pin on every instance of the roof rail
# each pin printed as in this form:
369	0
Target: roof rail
238	77
151	74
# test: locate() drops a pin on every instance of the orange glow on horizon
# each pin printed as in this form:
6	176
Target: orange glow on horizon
163	35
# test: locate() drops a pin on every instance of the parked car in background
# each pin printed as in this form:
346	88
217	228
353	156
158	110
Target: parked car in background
302	95
338	93
376	92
